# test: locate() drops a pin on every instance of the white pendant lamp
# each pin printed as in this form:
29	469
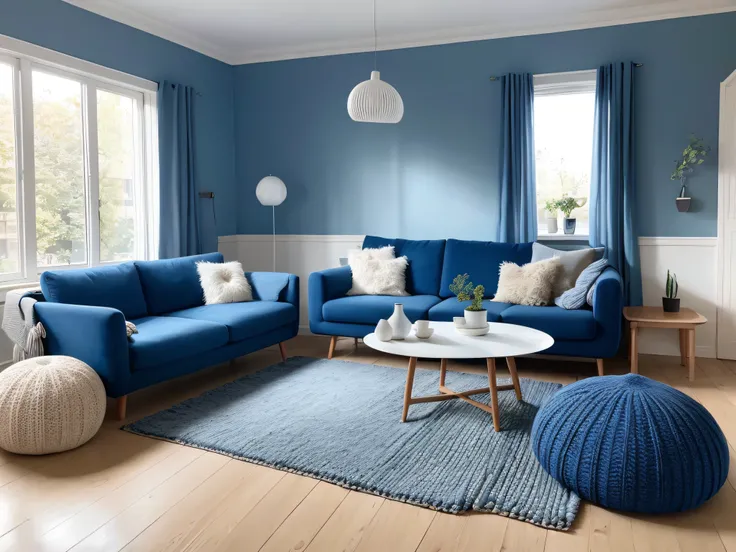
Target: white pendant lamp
374	100
271	192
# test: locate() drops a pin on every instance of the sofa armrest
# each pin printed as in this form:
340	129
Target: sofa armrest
608	303
94	335
326	285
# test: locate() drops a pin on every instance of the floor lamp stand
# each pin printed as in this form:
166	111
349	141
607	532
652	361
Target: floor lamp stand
273	212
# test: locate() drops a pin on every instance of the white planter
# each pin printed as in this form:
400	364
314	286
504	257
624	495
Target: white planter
400	324
476	319
551	224
384	331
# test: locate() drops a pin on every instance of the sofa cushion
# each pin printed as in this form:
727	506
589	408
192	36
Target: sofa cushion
243	320
369	309
481	261
115	286
162	339
425	261
557	322
450	308
173	284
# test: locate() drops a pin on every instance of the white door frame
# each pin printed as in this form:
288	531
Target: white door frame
726	345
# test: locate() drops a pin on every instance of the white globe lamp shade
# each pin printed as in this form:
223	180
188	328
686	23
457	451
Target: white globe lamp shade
271	191
375	101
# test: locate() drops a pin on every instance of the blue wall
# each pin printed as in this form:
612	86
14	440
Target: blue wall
65	28
436	173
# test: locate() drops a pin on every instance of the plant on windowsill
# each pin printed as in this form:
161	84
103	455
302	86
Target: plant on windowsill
567	205
550	210
475	315
670	302
692	156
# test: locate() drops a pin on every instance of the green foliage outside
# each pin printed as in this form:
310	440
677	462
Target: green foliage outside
61	232
692	156
465	291
568	204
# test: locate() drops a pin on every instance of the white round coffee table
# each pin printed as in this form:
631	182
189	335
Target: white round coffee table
503	340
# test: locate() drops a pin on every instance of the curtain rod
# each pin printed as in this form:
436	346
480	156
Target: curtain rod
635	65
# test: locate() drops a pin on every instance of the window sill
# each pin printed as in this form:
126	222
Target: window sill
563	237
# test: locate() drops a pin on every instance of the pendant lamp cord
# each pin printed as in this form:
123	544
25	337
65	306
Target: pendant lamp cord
375	39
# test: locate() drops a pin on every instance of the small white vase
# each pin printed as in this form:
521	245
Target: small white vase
476	319
384	331
400	324
551	224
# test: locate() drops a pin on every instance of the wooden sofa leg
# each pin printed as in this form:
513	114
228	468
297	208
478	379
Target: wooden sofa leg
282	350
599	362
120	407
333	343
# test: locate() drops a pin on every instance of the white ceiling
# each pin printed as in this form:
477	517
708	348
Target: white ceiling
247	31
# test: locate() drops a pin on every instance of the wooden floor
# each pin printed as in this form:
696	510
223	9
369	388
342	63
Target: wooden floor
122	491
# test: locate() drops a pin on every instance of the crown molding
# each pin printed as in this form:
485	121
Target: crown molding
111	10
602	18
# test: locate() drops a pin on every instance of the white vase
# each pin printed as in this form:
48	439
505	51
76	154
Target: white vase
551	224
400	324
476	319
384	331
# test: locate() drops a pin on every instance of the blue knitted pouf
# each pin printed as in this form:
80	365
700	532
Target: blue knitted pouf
631	443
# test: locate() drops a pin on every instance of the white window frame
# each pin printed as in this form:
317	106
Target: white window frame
557	84
24	57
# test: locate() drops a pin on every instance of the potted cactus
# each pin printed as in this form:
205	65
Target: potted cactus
475	315
670	302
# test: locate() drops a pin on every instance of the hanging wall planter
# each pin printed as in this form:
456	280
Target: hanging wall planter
682	201
692	156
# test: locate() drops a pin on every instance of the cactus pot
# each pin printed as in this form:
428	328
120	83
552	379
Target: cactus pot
671	305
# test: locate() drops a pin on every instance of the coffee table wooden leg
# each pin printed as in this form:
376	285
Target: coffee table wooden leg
691	353
409	386
511	363
443	371
491	364
634	350
683	347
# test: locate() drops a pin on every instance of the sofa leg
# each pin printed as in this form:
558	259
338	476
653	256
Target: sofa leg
333	343
120	406
282	350
356	342
599	362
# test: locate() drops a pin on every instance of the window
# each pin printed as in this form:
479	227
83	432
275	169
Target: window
564	108
77	168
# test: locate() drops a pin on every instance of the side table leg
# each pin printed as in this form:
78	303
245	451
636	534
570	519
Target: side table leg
634	349
683	347
443	371
491	364
511	363
691	353
409	386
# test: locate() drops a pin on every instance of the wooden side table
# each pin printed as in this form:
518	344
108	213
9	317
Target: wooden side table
684	321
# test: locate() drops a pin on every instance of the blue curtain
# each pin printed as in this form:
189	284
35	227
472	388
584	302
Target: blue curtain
518	204
178	227
612	186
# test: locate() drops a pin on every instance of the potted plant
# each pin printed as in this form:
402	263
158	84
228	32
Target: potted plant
475	315
567	205
692	156
550	210
671	303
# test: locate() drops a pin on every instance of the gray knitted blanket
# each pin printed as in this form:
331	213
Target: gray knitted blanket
20	323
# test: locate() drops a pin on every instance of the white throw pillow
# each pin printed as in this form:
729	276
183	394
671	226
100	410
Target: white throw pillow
531	284
573	263
224	283
379	276
381	253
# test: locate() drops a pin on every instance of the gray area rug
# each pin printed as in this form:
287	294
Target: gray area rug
339	421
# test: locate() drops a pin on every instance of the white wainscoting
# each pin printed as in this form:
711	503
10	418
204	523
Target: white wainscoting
692	259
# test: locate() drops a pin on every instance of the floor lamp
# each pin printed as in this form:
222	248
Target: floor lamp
271	191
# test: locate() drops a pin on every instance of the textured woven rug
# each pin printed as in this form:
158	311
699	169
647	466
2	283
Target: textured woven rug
339	421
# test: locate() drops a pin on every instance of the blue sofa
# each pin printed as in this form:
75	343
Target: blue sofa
593	333
85	310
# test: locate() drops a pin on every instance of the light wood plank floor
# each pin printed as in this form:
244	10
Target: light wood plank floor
125	492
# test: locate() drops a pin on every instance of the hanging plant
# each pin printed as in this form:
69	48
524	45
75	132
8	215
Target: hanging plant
692	156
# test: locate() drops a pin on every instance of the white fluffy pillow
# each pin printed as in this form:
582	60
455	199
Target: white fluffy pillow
377	272
531	284
223	283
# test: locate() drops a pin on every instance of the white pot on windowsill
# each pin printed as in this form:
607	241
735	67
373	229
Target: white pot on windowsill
551	222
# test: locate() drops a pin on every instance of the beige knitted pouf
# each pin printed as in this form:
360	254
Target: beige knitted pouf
49	404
